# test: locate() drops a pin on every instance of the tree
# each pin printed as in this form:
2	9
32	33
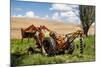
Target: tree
87	17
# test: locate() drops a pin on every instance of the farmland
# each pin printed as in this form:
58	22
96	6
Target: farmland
19	54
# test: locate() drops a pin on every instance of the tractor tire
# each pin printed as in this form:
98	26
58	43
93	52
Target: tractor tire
71	48
49	46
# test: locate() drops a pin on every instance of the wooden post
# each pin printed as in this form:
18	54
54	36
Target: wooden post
81	44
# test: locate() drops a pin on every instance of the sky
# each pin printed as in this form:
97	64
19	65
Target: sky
51	11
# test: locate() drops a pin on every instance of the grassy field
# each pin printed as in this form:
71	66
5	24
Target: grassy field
20	57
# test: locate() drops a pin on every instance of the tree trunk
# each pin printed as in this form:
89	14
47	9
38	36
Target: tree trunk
86	31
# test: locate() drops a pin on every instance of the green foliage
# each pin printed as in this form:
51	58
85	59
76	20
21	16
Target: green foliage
20	57
87	17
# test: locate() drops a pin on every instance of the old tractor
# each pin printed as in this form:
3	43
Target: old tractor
50	42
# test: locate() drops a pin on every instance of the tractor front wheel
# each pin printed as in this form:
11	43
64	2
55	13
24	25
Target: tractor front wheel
71	48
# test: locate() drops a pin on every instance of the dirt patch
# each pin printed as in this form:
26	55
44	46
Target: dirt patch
59	27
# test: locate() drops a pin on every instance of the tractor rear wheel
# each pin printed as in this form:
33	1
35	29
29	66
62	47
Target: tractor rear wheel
49	46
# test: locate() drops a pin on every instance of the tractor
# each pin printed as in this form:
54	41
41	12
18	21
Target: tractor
52	43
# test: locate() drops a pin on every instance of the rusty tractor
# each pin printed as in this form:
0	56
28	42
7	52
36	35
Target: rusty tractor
51	43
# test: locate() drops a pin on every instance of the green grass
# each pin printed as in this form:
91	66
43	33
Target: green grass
20	57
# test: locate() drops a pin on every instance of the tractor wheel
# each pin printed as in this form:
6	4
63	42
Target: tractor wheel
49	46
71	48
